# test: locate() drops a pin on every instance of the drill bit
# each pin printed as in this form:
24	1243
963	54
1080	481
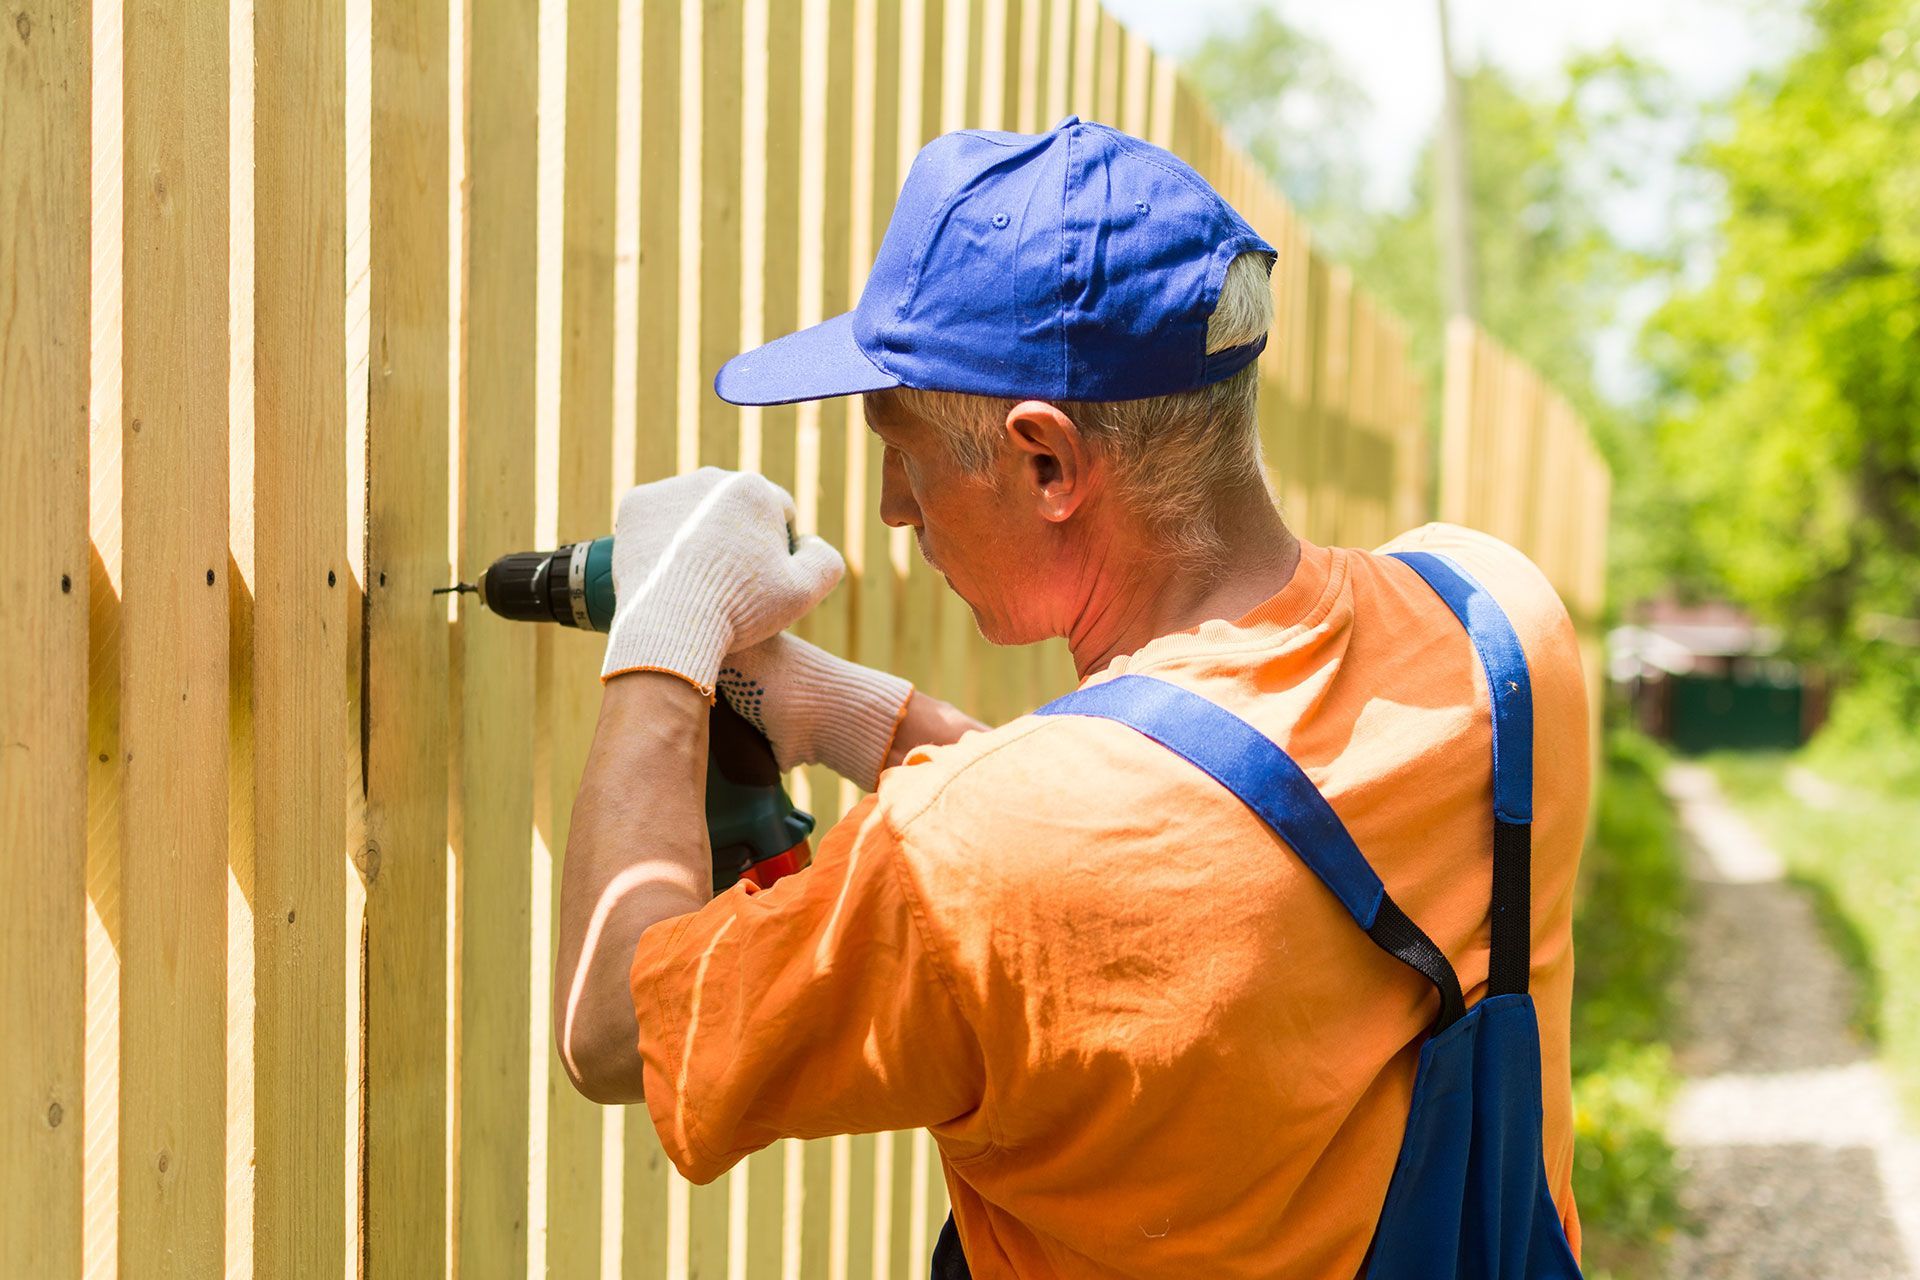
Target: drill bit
460	587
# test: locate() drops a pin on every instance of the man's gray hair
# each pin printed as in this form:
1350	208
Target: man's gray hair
1178	458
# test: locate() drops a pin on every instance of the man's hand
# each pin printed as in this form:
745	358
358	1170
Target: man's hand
704	563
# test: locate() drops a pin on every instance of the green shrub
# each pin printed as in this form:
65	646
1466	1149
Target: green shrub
1629	942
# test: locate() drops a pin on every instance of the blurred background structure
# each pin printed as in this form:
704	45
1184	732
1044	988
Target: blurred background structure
304	313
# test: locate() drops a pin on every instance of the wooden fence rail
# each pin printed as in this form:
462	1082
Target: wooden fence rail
308	309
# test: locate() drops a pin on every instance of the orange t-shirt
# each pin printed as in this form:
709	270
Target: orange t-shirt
1146	1040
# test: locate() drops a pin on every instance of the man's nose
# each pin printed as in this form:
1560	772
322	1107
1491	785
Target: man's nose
897	507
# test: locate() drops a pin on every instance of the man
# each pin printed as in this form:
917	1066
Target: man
1146	1038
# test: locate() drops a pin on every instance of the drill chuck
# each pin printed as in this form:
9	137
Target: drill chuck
572	586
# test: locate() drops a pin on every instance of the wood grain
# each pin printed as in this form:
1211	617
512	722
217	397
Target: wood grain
45	155
300	584
173	655
493	660
404	705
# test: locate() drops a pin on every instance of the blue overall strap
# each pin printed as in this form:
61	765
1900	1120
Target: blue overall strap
1267	781
1510	693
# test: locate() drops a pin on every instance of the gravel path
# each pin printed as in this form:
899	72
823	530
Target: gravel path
1798	1164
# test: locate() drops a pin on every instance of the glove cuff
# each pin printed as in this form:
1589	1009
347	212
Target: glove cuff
858	713
817	708
681	625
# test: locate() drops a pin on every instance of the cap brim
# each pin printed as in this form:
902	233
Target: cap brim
813	364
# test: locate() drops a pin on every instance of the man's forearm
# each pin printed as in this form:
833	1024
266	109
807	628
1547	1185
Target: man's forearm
636	854
928	722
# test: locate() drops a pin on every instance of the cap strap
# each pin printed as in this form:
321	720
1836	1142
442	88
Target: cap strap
1224	364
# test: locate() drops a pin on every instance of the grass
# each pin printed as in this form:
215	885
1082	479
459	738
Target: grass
1860	860
1629	943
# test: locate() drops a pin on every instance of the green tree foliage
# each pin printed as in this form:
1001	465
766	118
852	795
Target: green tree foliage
1789	431
1543	162
1287	100
1550	270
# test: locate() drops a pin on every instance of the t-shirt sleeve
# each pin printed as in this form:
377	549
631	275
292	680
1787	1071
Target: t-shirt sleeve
811	1008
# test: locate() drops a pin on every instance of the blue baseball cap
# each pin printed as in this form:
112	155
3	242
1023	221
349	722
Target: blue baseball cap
1077	264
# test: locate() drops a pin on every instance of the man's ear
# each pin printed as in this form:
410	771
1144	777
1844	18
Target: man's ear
1055	462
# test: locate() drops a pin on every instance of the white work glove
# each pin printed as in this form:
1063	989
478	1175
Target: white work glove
815	708
704	563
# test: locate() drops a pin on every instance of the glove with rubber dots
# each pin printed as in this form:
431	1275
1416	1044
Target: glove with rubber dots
704	563
815	708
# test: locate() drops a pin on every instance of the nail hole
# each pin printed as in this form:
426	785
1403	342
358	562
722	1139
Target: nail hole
55	1114
162	1162
329	577
66	584
103	757
289	917
209	577
383	577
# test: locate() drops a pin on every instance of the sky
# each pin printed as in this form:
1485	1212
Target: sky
1390	50
1390	47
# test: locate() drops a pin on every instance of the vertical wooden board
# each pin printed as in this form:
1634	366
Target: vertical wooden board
173	686
718	262
645	1171
404	704
1107	73
903	1259
1083	91
1136	84
1330	500
780	167
1488	381
1165	73
858	1246
811	1237
45	180
955	48
301	580
990	30
493	662
1297	372
1309	421
1059	60
1456	420
657	362
1363	474
645	1174
1026	62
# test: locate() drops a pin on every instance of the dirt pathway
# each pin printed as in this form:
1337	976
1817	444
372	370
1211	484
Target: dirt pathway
1798	1165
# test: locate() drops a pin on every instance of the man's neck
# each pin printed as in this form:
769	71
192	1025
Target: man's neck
1133	596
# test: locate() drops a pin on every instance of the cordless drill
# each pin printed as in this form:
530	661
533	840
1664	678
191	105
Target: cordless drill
755	831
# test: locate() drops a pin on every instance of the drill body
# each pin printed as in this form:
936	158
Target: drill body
756	832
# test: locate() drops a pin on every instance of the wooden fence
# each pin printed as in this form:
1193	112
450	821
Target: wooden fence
1518	461
306	310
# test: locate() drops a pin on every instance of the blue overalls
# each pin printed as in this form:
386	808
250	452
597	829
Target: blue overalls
1469	1197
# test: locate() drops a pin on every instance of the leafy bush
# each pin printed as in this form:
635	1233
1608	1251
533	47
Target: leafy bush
1629	943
